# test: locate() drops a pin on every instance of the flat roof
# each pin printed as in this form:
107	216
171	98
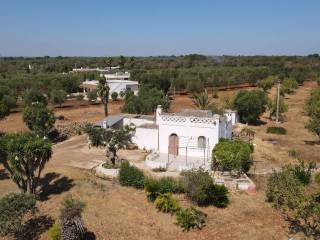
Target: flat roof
110	120
149	126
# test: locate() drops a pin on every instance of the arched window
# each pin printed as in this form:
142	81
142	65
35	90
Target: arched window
201	142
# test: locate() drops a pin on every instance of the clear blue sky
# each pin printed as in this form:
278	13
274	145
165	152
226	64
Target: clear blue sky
159	27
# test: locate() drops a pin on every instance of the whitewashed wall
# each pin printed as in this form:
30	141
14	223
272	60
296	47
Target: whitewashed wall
146	138
186	127
136	121
118	86
232	116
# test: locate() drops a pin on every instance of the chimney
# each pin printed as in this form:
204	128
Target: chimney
158	113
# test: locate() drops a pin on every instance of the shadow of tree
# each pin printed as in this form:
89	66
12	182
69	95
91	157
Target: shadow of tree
311	142
90	236
53	184
4	174
34	227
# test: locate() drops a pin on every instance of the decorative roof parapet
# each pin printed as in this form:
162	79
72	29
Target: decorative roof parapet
192	120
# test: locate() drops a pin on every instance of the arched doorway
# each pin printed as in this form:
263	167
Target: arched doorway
174	144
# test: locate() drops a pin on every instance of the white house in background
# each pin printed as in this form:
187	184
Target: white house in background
100	70
117	82
117	76
178	140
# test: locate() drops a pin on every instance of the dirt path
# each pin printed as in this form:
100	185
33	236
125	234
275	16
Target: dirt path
271	150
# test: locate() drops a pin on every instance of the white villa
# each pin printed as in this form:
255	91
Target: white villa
177	141
117	82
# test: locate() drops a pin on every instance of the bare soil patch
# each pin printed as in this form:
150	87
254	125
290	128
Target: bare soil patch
71	110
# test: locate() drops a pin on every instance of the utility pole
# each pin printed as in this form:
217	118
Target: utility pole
278	102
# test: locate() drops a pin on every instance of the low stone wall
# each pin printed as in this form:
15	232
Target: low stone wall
243	183
151	161
153	164
106	173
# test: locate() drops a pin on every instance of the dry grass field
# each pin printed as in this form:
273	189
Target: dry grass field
115	212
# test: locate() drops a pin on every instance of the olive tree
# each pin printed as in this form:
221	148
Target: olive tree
58	96
250	105
39	119
4	110
7	101
33	95
112	139
24	156
266	83
272	106
313	111
289	85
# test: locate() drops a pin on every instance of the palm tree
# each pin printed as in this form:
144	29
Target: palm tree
103	93
109	62
202	100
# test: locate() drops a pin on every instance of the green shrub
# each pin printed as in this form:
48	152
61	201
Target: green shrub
307	218
166	203
114	96
277	130
154	187
13	209
170	185
284	190
267	83
219	196
317	178
131	176
54	232
71	202
200	189
232	155
288	86
191	218
151	186
302	171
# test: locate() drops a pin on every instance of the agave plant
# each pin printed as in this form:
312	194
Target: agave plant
72	226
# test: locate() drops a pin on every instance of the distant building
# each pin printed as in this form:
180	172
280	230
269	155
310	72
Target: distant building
86	69
117	82
117	76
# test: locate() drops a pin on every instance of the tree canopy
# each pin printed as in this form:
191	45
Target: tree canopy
25	156
313	111
38	119
232	155
58	96
250	105
146	101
